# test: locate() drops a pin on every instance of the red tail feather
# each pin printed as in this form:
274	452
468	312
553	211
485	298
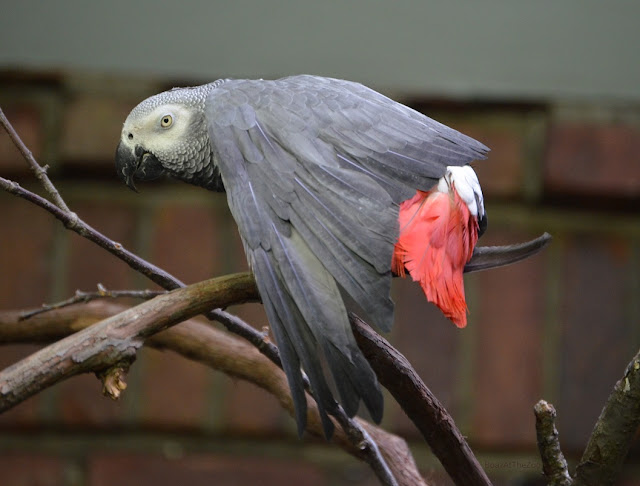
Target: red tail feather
437	237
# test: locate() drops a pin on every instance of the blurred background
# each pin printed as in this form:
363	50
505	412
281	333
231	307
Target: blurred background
553	88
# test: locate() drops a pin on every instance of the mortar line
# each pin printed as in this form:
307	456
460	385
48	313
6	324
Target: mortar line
49	400
466	359
553	326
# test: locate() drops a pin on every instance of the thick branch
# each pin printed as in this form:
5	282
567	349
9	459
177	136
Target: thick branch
221	351
613	433
154	273
167	281
554	465
118	338
422	407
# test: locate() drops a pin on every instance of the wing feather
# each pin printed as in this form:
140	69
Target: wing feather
314	170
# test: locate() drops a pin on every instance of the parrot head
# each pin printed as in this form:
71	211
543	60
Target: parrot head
166	134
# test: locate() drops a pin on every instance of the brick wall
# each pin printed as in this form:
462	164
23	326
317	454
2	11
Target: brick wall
561	326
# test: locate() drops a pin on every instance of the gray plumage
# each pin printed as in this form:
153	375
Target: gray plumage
314	170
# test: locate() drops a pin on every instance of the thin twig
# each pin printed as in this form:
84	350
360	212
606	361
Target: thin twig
39	171
72	222
157	275
232	323
366	444
222	351
118	338
554	465
84	297
237	326
359	436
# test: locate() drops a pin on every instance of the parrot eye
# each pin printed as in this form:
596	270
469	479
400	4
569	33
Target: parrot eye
166	121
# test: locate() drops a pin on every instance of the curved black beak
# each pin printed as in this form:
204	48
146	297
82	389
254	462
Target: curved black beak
127	162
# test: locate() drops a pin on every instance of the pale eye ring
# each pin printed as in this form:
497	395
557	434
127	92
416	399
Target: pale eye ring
166	121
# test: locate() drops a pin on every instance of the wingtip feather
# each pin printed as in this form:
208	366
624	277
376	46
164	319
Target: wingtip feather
487	257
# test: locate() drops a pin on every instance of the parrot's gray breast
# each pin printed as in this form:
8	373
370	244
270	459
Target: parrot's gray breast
314	170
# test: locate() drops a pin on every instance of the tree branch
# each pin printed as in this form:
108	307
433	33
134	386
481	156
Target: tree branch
40	172
157	275
166	280
421	406
221	351
85	297
613	433
117	339
554	465
73	222
463	467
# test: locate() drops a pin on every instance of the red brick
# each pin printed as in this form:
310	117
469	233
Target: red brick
629	482
501	175
24	281
430	342
24	253
88	263
26	119
173	392
82	404
199	469
91	127
186	242
509	319
597	342
24	469
506	134
25	413
251	410
593	159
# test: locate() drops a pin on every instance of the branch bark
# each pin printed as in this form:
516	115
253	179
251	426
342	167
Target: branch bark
613	433
167	281
554	465
421	406
221	351
40	172
118	338
162	278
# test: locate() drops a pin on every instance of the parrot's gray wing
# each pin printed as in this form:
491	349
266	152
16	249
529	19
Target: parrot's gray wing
336	158
314	170
302	300
400	148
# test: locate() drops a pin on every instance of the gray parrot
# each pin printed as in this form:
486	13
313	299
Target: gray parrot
319	174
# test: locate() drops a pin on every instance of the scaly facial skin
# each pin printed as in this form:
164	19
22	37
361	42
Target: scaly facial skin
165	135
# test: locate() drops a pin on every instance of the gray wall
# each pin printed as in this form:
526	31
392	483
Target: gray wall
494	48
